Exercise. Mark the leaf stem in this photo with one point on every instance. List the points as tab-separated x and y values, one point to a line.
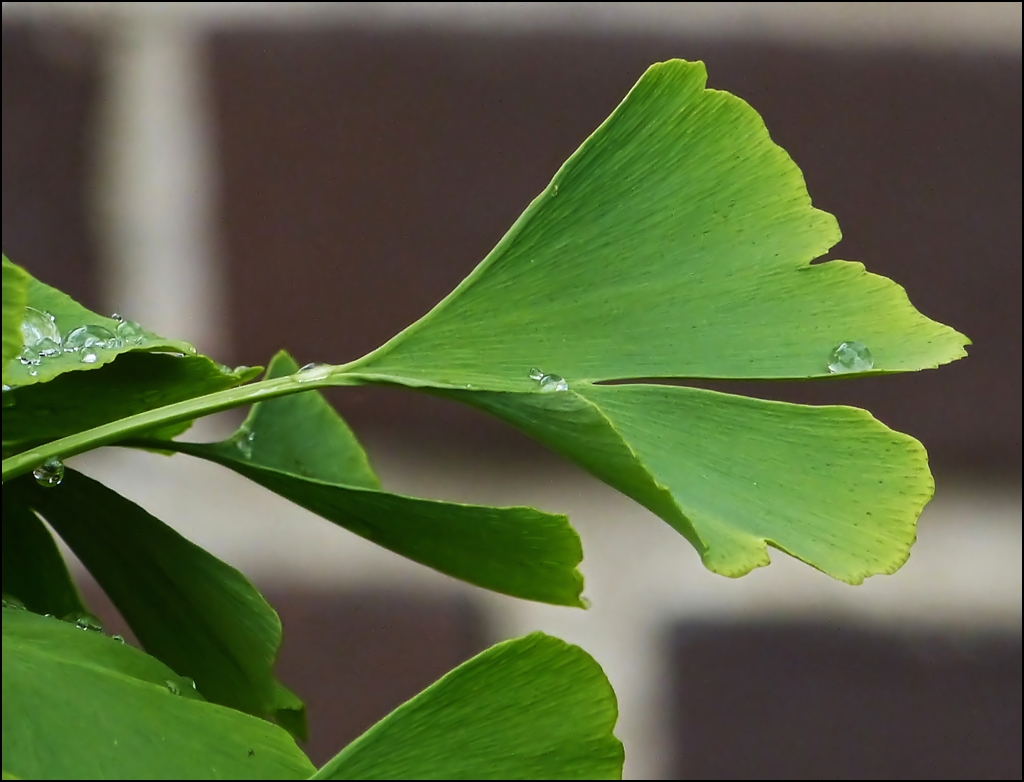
200	406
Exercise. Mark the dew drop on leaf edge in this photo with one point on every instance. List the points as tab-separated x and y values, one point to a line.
172	687
49	473
850	356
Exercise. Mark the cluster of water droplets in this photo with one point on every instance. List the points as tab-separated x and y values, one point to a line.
850	356
41	339
548	383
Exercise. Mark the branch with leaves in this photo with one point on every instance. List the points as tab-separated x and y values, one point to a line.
677	242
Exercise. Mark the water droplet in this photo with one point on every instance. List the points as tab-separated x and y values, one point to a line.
118	638
245	442
84	621
536	374
10	601
552	383
47	348
36	326
130	331
241	369
554	190
49	473
172	687
89	357
850	356
29	357
91	336
6	388
312	372
117	317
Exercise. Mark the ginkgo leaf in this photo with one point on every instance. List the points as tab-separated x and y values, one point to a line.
530	708
80	705
676	242
829	485
191	611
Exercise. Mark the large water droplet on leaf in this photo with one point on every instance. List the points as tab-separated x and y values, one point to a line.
29	357
49	473
130	332
172	687
91	336
36	326
311	372
552	383
850	356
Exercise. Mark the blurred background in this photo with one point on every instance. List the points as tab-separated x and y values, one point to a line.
315	176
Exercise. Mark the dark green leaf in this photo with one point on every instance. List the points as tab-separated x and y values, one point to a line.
33	568
188	609
79	705
532	708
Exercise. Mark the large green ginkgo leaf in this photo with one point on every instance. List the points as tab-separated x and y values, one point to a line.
80	705
300	448
191	611
677	242
531	708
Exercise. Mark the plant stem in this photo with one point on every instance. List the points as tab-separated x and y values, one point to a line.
134	425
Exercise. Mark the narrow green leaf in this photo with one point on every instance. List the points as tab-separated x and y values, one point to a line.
520	552
79	705
532	708
193	612
829	485
675	242
299	447
33	569
15	287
